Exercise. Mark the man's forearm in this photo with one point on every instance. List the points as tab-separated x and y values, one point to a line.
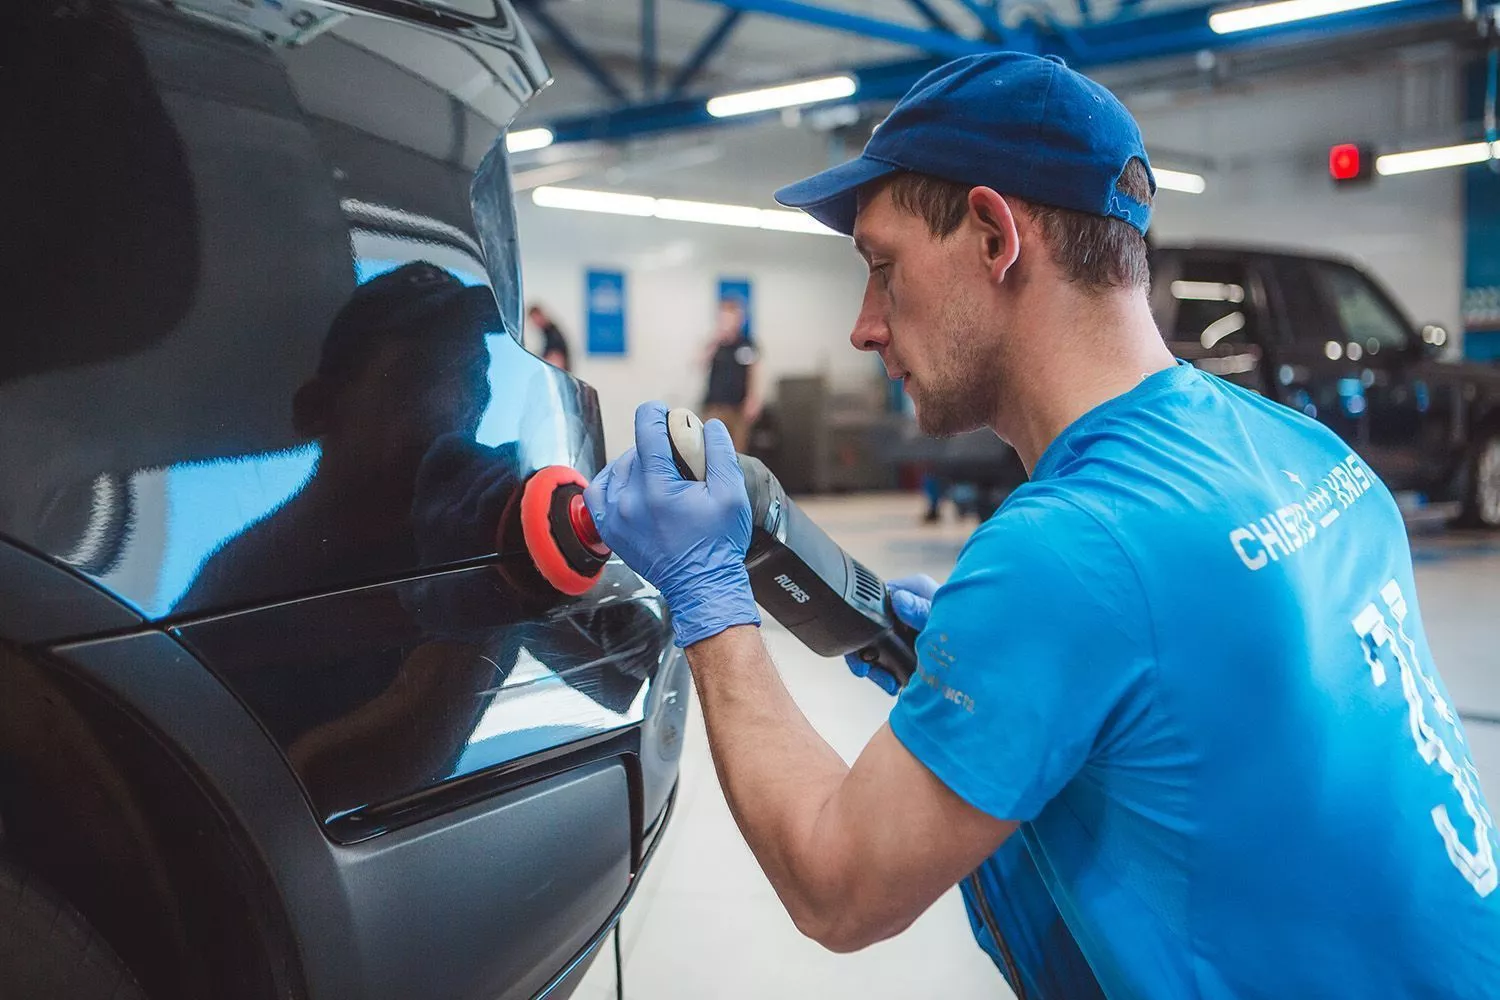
777	772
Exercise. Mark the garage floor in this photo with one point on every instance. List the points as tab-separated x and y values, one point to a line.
706	923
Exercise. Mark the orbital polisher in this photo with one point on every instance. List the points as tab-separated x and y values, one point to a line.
799	575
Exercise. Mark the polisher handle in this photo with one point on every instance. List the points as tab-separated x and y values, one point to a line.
685	432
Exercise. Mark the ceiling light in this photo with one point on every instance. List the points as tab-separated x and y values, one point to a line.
789	95
1179	180
1433	159
1265	15
527	139
705	211
712	213
581	200
793	222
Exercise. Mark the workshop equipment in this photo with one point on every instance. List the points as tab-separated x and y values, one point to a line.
799	575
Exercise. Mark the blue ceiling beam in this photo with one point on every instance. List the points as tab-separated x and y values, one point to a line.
1090	46
937	42
987	16
574	50
648	47
932	17
706	50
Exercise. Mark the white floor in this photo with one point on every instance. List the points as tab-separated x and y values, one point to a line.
705	923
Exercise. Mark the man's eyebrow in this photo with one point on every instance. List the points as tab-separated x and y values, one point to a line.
862	247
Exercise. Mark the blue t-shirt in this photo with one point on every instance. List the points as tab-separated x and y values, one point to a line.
1187	656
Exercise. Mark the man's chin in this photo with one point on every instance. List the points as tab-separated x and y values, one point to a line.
943	424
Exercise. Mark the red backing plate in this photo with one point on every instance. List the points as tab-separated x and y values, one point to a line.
536	529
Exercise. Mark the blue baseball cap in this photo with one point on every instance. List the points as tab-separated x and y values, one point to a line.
1021	124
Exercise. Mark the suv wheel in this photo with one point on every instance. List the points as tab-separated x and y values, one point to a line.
48	951
1482	498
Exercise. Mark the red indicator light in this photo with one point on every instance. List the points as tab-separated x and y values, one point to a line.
1350	161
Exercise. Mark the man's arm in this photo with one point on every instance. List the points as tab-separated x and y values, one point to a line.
856	854
754	400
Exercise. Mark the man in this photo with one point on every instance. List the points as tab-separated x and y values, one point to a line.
1184	661
401	384
554	344
733	394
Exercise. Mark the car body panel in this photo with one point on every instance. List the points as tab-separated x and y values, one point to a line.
496	898
266	426
388	692
174	467
45	603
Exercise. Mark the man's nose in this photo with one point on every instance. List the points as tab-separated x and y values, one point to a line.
871	331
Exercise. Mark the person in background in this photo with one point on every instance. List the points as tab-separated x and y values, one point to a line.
554	344
733	394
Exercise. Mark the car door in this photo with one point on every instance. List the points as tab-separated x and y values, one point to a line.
1211	309
1406	416
1349	364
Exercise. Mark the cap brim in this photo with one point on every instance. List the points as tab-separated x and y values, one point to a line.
832	197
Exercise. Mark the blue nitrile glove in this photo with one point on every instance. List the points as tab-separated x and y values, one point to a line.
911	599
687	538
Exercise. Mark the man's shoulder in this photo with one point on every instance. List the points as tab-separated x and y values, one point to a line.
1044	533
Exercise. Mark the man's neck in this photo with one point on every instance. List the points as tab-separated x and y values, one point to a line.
1078	352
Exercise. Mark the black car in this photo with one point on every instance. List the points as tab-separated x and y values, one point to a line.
285	708
1320	335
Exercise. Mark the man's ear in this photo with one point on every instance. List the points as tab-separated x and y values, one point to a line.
995	225
311	407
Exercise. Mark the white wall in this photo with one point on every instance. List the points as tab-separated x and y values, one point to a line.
1269	142
806	291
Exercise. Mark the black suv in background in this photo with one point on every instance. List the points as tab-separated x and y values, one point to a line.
283	711
1322	336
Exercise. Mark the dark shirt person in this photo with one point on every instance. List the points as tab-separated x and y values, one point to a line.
555	349
733	394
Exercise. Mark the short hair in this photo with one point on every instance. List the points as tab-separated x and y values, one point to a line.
1095	251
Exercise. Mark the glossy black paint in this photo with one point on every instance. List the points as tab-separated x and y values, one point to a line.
387	692
1411	416
176	431
263	415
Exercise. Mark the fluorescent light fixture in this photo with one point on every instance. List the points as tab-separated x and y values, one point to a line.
706	211
581	200
1179	180
527	139
712	213
793	222
1433	159
829	88
1224	22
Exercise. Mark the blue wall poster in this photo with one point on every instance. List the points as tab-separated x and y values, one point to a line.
739	288
604	306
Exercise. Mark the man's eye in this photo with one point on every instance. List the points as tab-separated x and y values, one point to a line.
881	273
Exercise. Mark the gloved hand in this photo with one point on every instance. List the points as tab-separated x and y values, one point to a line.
911	599
687	538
